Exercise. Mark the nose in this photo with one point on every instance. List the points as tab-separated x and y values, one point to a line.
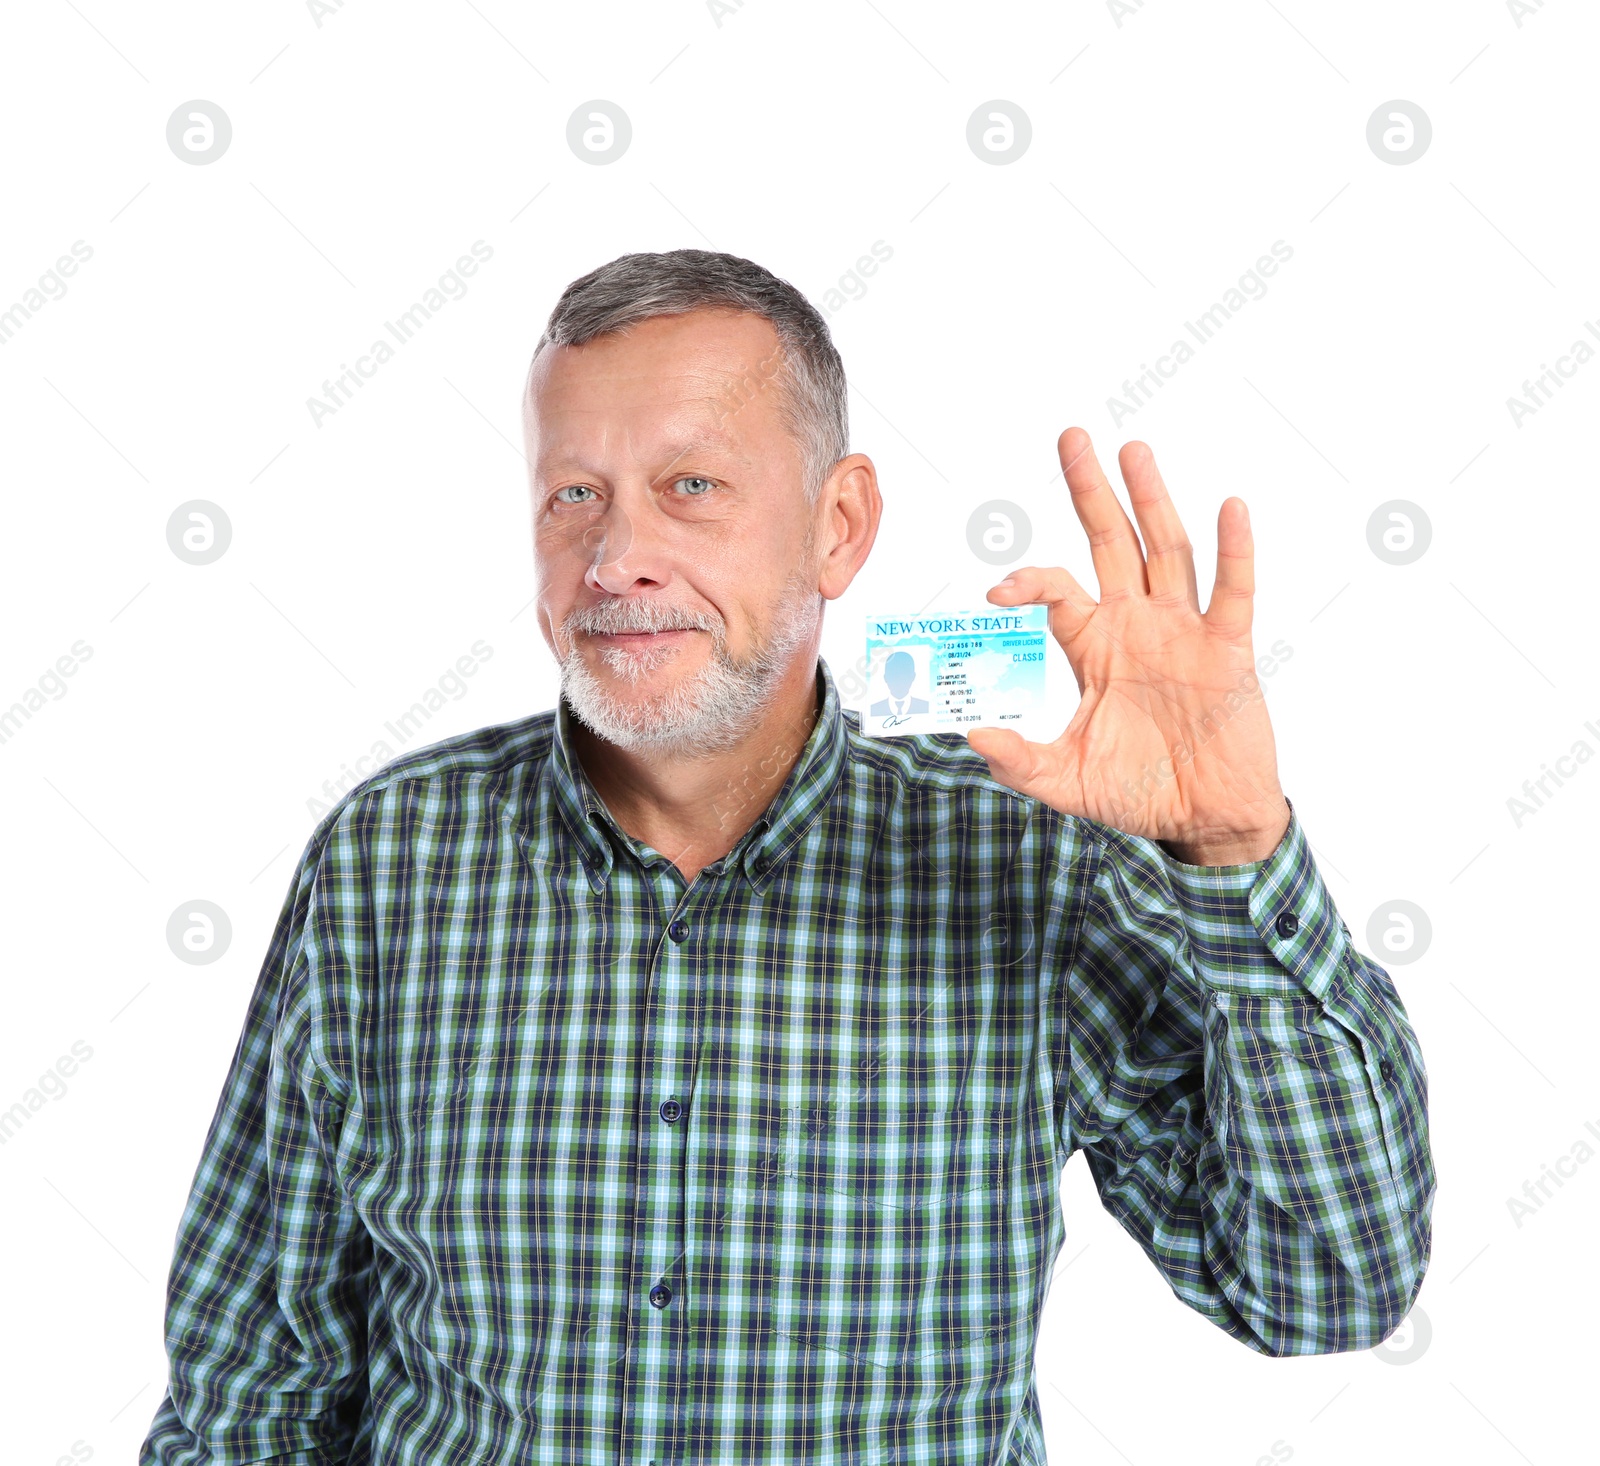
618	560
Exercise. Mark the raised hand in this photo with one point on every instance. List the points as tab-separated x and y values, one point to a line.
1171	740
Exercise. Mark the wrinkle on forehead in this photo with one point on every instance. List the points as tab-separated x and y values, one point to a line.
680	440
673	408
678	432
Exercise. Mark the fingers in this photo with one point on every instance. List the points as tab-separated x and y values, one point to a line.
1118	560
1168	556
1070	604
1233	594
1164	564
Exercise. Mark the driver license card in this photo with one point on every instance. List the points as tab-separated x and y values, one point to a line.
945	672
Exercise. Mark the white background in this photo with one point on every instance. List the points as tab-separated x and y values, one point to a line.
1168	153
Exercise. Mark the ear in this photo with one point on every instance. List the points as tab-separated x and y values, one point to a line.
848	509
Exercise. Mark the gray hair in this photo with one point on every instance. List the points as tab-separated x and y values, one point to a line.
636	287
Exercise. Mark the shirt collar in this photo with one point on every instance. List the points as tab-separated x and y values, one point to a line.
762	848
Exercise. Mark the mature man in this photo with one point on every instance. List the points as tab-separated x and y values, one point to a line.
680	1076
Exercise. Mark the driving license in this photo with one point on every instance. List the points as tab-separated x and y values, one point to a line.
945	672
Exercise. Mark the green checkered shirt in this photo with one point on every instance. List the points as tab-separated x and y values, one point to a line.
531	1152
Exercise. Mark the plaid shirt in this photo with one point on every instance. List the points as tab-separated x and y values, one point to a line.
530	1152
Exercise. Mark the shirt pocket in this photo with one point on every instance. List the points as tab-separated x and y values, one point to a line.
889	1230
482	1214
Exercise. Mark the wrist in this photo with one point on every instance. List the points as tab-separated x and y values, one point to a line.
1229	847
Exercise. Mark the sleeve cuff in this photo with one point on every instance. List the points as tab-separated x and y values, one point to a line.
1267	929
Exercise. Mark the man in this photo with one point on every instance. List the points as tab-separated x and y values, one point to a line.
899	672
679	1076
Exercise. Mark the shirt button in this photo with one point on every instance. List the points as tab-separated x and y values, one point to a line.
678	930
1288	924
759	865
670	1110
1387	1070
661	1295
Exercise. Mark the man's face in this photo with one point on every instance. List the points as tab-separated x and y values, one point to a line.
673	544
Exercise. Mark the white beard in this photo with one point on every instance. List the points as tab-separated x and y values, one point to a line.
705	714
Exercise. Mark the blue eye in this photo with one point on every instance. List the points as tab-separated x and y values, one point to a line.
694	493
573	489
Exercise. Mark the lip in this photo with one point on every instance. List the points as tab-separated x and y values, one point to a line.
638	638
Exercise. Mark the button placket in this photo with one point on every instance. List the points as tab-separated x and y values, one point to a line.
662	1224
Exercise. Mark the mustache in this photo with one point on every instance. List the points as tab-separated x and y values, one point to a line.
623	613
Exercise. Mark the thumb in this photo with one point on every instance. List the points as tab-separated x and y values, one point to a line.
1012	760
